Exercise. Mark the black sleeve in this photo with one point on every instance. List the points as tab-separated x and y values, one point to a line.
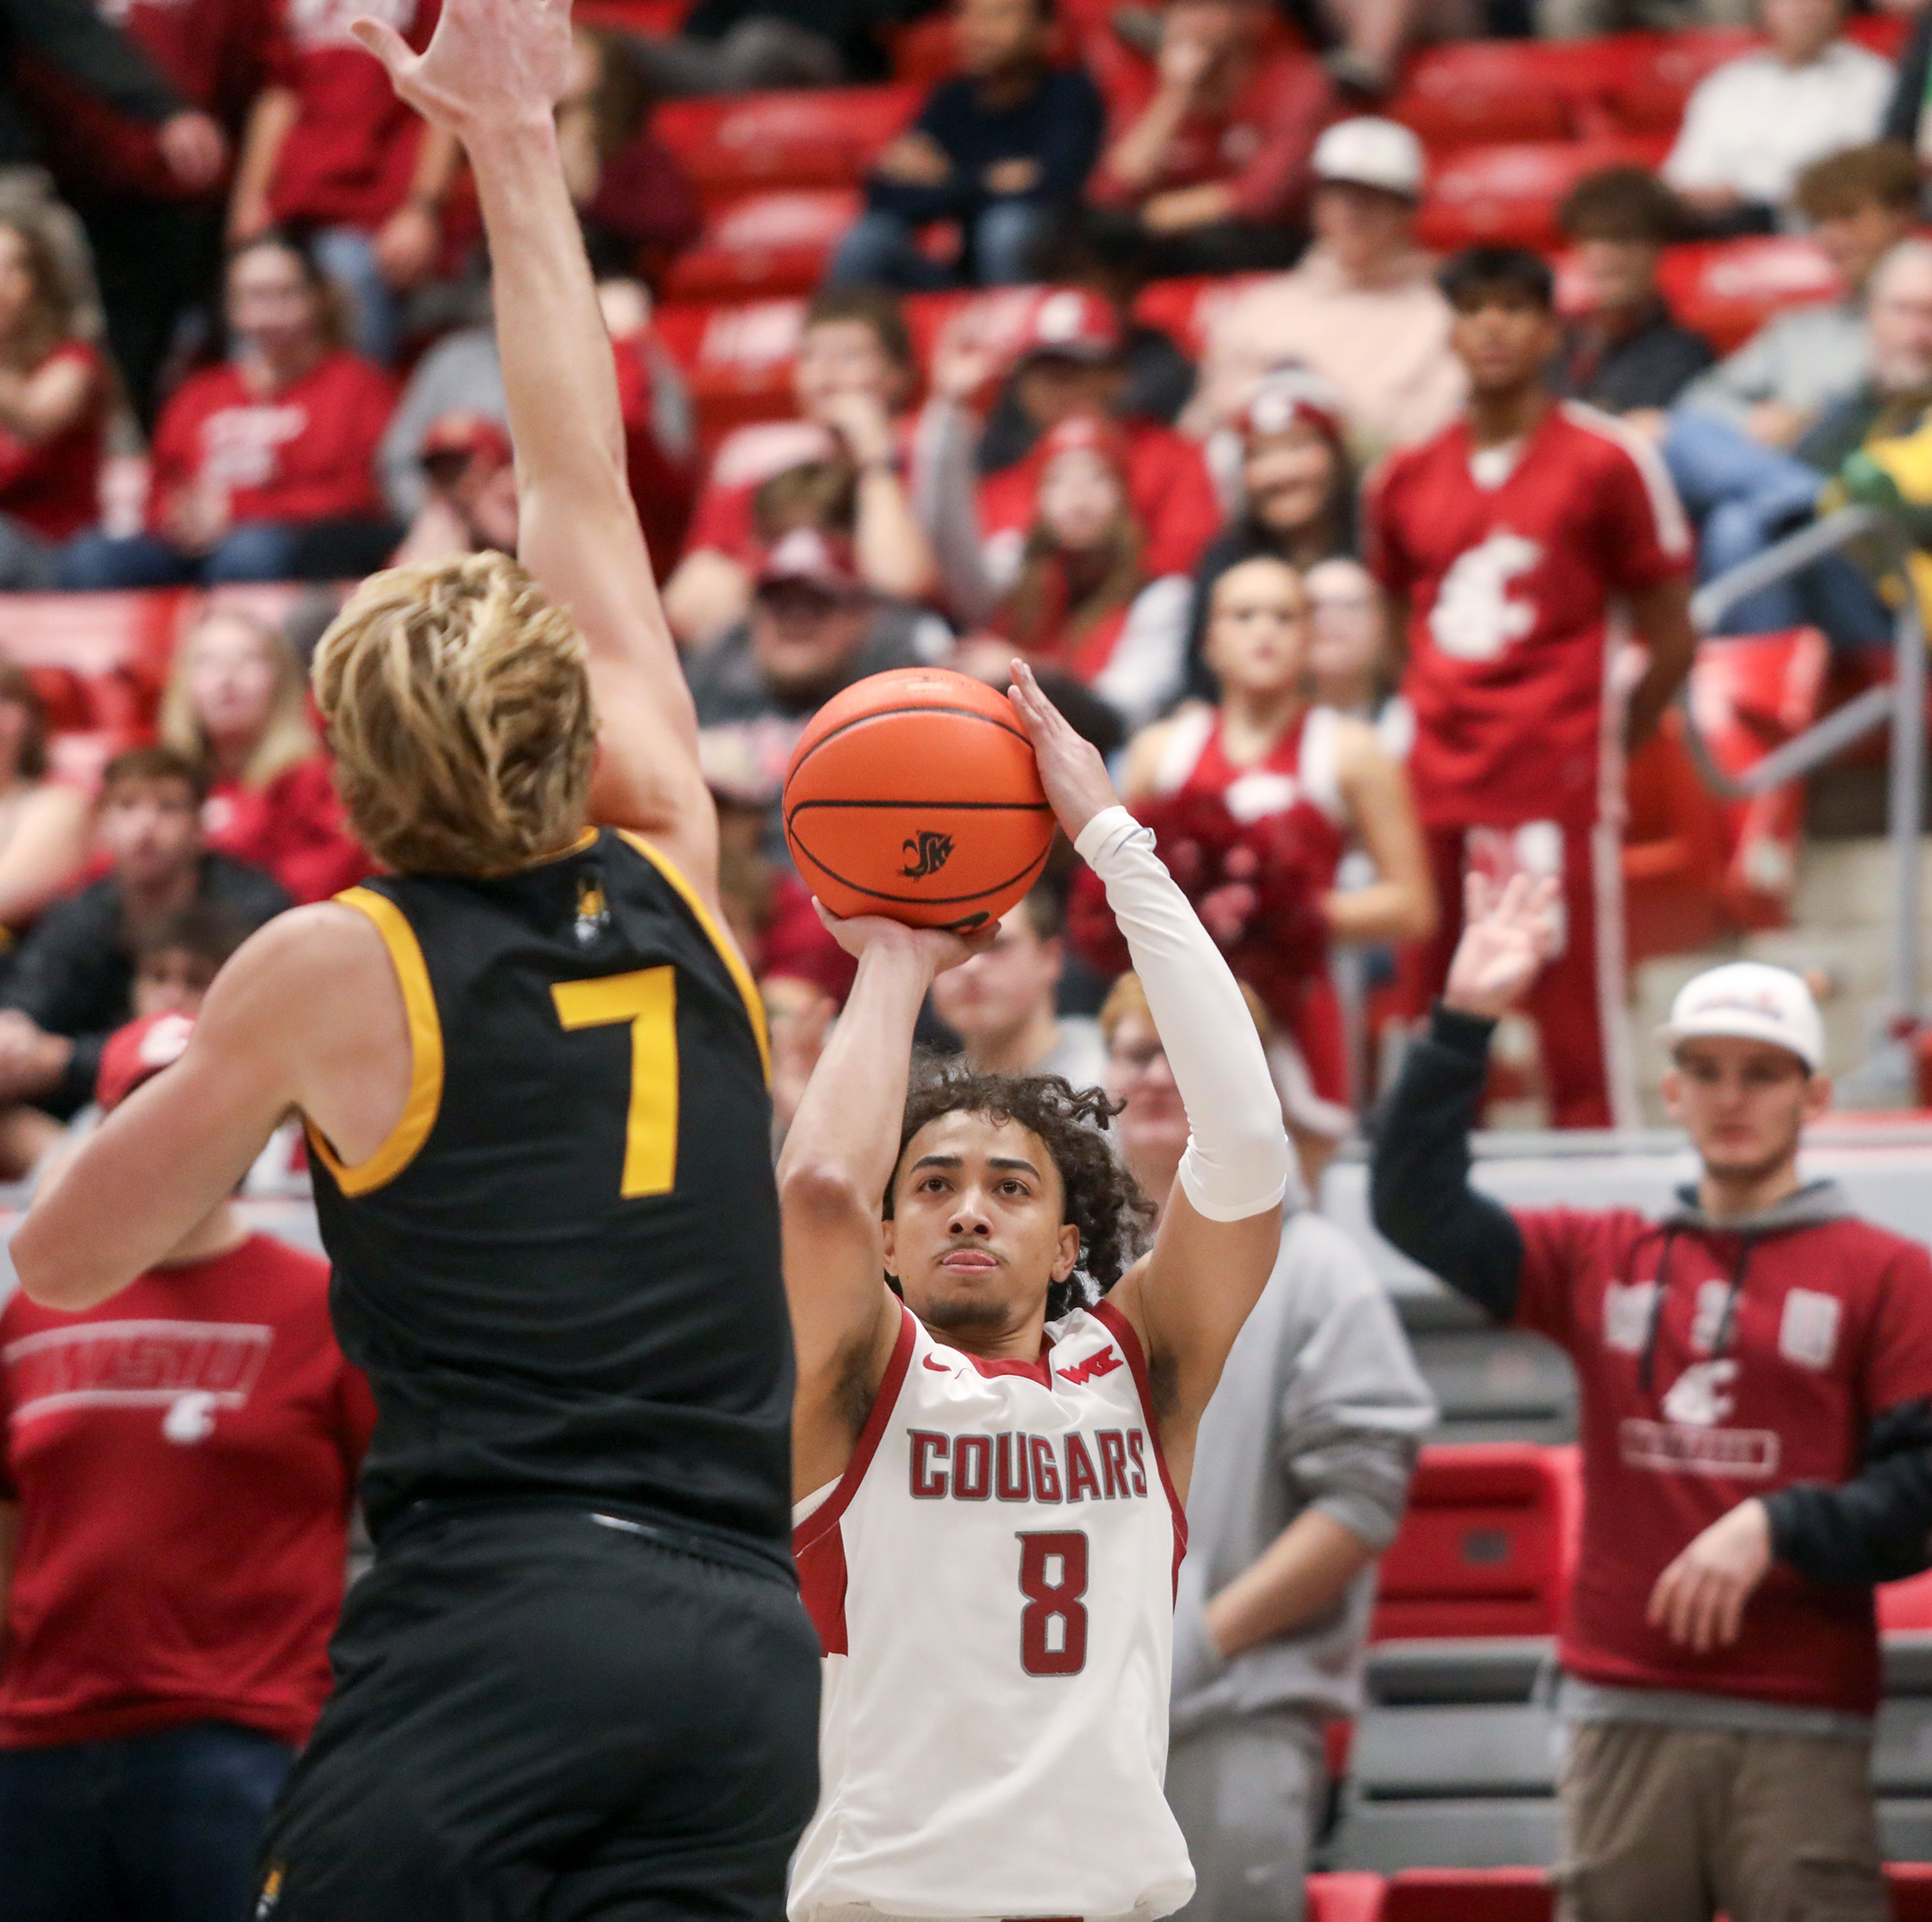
1874	1527
1908	96
1419	1192
1072	145
69	977
72	36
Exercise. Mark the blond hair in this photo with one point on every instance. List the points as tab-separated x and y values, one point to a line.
1127	998
457	701
287	738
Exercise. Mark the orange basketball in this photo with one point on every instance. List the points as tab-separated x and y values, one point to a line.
914	794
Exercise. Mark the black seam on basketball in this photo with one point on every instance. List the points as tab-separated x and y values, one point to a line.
939	807
925	901
885	713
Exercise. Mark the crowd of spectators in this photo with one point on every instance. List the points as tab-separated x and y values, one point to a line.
1297	569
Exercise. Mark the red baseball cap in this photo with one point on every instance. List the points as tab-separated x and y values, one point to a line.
139	1052
1082	433
815	559
469	436
1288	395
1074	325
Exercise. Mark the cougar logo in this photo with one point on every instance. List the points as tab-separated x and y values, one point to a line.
1091	1369
926	852
1698	1397
1474	619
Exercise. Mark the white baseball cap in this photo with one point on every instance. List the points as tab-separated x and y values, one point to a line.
1370	152
1749	1001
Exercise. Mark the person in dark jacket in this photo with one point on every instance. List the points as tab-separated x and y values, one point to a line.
71	984
734	47
1626	354
1000	150
1755	1371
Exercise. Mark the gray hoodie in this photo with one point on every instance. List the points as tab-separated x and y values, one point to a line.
1321	1405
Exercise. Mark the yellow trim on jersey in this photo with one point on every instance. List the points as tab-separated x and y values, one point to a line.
727	949
406	1139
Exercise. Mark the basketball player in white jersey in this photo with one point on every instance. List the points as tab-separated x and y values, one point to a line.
992	1460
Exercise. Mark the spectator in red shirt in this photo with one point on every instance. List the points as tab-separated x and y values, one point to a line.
1510	540
1212	145
330	150
1070	364
264	467
179	1465
237	702
854	381
55	389
1083	600
1756	1429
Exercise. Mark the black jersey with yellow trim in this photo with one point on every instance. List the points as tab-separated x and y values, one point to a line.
561	1270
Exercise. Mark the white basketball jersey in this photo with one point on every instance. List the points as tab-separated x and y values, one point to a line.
993	1581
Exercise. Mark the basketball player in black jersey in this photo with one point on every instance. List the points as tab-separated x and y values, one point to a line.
579	1681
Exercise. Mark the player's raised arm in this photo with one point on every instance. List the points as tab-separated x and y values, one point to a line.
1218	1239
492	75
839	1155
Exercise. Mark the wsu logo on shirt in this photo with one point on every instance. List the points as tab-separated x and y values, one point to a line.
1474	618
239	445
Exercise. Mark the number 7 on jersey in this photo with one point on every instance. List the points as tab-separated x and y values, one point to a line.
647	999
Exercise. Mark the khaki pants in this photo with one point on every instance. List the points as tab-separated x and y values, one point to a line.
1667	1825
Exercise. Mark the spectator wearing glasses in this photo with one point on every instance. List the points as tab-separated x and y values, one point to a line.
1756	1435
1001	150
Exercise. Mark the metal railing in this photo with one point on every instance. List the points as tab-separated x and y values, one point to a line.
1888	1072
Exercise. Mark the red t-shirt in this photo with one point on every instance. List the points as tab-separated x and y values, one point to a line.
351	155
1168	485
306	453
214	54
294	827
1510	587
1829	1325
723	520
54	487
184	1456
1261	146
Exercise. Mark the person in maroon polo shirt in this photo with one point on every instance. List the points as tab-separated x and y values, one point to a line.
176	1470
1756	1371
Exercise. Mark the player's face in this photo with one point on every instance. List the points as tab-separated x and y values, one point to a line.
150	830
975	1238
1081	500
1743	1103
1504	338
993	35
231	682
1152	1130
995	994
1290	478
1257	637
841	357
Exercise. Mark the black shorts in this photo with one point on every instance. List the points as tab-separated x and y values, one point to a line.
540	1714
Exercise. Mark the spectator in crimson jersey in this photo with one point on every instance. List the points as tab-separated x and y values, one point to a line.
55	391
1511	542
155	234
237	702
178	1471
331	151
1756	1430
1211	145
264	467
853	382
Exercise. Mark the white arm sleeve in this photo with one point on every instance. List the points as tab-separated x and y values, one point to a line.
1236	1163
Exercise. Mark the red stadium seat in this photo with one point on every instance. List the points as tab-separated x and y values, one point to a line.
1909	1885
738	360
1187	310
1469	1895
95	635
803	137
1904	1606
1725	290
1488	1545
1749	694
1470	93
1659	72
766	244
639	17
1510	196
1350	1897
1676	842
925	52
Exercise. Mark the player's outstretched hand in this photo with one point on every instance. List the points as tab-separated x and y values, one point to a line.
1071	769
491	65
1506	938
936	949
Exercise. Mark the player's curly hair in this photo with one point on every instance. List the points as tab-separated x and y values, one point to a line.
1103	1200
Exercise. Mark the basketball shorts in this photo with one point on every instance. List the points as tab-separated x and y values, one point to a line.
543	1713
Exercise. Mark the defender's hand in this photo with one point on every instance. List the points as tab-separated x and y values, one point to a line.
934	949
1699	1600
1505	941
491	65
1071	769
